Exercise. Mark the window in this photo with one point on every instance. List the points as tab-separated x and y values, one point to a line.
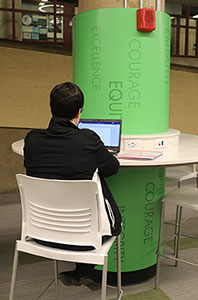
37	21
184	32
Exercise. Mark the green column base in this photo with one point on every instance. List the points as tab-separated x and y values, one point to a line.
138	193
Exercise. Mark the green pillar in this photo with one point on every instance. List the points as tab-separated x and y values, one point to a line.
124	74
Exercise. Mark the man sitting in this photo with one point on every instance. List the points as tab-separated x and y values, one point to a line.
63	151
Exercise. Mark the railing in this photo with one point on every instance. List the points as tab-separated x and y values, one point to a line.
51	23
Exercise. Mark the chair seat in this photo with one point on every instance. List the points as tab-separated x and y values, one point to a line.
179	174
93	256
185	196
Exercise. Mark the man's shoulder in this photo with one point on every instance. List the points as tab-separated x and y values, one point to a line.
89	133
86	131
35	132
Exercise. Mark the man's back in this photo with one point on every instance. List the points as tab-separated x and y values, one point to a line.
65	152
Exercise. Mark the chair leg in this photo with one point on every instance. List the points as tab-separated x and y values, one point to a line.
119	287
104	279
14	270
178	236
176	229
56	278
159	246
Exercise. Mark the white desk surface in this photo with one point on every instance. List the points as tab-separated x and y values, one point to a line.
17	147
187	153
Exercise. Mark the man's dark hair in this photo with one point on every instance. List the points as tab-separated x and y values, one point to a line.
65	100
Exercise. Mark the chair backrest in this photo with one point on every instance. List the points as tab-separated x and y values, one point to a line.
60	211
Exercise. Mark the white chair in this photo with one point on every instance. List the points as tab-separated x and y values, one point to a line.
179	174
184	197
63	212
182	173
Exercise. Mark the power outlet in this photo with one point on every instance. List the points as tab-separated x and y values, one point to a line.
160	143
133	144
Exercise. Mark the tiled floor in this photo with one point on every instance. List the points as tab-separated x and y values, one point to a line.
178	283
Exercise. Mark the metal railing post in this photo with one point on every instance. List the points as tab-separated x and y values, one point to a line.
125	3
158	6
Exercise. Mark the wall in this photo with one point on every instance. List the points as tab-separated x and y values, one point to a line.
10	162
26	80
183	101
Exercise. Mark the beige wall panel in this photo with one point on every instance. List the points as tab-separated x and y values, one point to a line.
10	162
184	101
26	80
85	5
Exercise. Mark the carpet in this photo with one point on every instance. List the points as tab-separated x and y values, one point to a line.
26	259
147	295
185	243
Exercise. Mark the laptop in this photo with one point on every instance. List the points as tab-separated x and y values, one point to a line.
108	130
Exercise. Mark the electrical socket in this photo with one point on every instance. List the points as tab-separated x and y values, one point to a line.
160	143
133	144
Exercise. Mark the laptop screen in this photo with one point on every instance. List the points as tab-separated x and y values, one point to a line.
108	130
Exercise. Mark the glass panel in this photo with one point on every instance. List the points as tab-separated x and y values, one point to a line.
6	25
173	40
34	27
39	27
183	21
18	4
59	27
182	41
6	3
41	6
29	5
192	42
173	21
48	7
192	22
18	27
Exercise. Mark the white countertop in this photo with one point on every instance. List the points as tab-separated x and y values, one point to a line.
187	153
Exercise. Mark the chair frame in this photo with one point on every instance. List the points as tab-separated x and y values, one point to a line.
189	175
176	235
98	256
104	274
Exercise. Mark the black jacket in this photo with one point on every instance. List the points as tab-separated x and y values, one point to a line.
63	151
